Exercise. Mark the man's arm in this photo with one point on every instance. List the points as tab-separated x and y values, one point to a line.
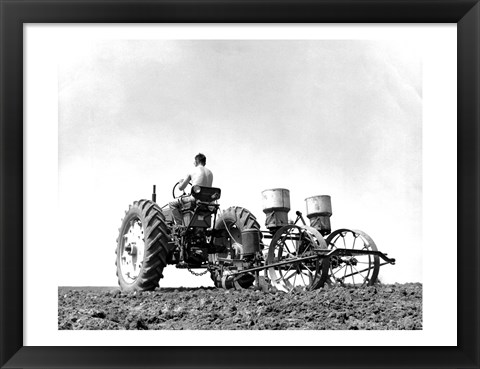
184	182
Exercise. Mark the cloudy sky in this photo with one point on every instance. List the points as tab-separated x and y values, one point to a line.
342	118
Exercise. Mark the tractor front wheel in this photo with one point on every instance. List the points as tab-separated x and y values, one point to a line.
142	247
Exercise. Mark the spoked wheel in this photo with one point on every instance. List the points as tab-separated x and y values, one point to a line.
356	270
291	243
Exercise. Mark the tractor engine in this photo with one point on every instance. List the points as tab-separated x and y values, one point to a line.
197	249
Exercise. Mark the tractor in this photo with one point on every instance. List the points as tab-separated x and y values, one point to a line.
230	245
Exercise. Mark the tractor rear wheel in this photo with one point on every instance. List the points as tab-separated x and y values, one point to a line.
234	220
142	247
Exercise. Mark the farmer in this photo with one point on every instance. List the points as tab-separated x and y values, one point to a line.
200	176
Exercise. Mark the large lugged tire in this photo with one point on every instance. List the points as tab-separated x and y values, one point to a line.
142	247
235	219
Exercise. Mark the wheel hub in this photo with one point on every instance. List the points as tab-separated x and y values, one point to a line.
131	249
131	258
350	260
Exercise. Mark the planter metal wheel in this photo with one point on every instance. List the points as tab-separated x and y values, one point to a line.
292	247
356	269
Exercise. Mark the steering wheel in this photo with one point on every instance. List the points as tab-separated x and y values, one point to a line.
183	193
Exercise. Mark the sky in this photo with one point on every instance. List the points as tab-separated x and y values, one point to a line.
338	118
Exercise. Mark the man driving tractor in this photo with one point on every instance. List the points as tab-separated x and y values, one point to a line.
200	176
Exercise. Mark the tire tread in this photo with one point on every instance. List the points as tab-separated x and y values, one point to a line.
156	246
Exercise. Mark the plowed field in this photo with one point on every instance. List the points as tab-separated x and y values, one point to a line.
397	306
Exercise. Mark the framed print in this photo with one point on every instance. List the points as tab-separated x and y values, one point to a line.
314	117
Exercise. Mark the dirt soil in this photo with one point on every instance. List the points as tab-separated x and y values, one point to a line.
397	306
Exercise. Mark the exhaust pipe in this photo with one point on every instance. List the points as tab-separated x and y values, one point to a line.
154	195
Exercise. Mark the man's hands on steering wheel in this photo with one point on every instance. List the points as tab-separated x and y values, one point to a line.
176	190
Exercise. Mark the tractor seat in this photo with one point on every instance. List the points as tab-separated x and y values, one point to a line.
201	196
197	212
206	194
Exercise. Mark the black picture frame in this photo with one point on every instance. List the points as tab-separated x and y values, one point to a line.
15	13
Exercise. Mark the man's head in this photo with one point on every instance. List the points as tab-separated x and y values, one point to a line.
200	159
